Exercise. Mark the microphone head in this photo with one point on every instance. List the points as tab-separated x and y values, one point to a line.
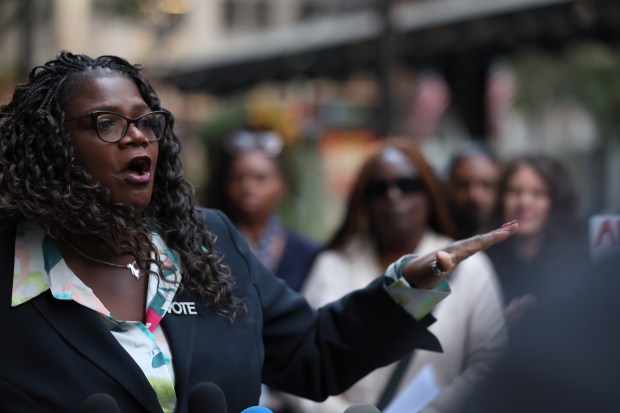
207	396
100	403
362	408
256	409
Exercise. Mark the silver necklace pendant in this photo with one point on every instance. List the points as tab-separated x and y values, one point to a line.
133	267
135	271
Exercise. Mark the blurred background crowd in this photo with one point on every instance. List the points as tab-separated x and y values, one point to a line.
510	106
331	76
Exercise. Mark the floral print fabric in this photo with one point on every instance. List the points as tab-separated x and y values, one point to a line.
39	267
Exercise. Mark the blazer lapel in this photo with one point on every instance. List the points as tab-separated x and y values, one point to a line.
181	333
83	329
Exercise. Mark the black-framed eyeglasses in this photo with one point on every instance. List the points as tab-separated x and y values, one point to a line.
379	187
267	142
111	126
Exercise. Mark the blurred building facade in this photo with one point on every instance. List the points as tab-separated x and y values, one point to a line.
333	75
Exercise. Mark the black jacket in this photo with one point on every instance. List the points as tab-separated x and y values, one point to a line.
57	353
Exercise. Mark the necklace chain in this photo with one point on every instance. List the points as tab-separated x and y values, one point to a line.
132	266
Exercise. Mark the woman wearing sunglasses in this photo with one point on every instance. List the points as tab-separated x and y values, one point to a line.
396	207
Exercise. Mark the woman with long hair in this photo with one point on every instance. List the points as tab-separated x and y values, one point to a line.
113	281
536	190
396	206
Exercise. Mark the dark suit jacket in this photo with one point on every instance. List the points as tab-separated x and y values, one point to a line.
564	354
57	353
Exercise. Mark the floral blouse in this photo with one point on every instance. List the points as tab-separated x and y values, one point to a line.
39	267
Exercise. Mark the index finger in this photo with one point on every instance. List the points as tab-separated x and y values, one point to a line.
463	249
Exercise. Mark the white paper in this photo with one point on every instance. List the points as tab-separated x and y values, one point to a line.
417	393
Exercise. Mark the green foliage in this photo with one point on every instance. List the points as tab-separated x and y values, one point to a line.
303	210
232	116
587	73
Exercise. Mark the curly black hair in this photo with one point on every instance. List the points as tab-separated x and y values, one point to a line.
40	180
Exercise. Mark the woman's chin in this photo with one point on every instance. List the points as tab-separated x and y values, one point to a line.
525	232
138	203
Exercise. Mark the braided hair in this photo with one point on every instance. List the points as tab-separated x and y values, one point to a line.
40	180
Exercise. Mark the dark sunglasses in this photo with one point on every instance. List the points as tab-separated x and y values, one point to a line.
379	187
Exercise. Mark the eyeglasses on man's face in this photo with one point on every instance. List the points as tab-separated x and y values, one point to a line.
111	126
267	142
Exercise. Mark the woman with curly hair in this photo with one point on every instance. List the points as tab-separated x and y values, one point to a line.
121	285
395	207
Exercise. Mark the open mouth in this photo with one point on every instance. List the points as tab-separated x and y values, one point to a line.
138	169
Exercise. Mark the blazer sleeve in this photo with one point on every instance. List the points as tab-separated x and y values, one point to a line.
316	353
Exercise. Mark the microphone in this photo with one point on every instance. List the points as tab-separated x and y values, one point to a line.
256	409
361	408
100	403
207	396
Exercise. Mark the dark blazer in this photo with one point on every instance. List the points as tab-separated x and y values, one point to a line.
563	355
57	353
